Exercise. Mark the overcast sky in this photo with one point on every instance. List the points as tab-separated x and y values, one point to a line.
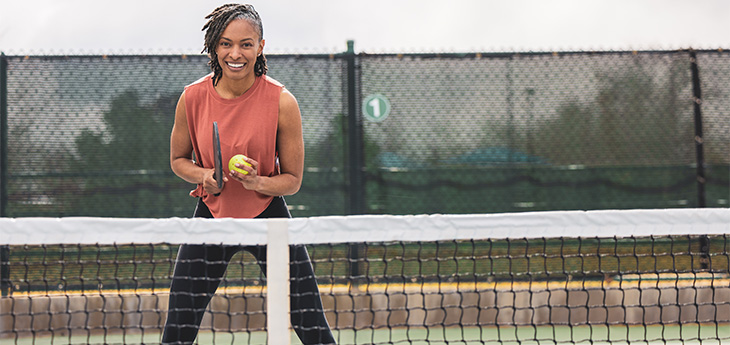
323	26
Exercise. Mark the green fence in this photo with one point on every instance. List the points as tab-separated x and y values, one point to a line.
386	133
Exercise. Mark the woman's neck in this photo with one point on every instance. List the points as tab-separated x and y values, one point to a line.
230	89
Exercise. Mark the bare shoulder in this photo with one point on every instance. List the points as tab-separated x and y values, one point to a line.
287	98
288	105
180	109
181	101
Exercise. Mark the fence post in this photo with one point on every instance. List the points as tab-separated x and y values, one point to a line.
3	135
4	250
700	154
356	190
354	135
699	140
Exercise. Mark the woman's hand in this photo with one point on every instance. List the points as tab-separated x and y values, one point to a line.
250	181
210	184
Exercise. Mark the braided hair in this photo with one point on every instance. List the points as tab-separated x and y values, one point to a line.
218	20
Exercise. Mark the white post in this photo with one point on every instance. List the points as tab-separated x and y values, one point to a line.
277	282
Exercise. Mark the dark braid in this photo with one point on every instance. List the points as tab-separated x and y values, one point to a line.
218	20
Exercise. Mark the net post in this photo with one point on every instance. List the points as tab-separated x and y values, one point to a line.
277	282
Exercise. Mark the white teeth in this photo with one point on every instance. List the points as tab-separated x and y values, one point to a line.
235	65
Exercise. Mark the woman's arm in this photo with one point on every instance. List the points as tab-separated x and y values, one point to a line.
290	143
181	153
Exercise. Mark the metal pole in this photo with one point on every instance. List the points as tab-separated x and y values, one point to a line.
355	160
699	141
5	286
354	135
4	250
699	150
3	135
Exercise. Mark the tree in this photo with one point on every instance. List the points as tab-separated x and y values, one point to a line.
636	118
125	168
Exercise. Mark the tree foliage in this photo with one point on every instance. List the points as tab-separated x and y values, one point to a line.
124	169
636	118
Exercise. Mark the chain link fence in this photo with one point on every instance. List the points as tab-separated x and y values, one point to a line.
386	133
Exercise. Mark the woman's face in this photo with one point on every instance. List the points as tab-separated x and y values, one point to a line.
237	50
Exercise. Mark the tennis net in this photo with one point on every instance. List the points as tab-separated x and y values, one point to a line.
573	277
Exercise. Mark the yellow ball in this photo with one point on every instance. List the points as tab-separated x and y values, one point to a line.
240	159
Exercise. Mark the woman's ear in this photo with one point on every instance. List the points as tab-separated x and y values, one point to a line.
261	47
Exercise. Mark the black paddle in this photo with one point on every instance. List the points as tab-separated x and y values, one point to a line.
217	157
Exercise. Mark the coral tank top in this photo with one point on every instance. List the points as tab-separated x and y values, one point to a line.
247	125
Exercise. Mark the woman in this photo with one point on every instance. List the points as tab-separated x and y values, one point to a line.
259	118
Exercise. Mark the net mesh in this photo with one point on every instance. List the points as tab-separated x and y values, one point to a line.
538	278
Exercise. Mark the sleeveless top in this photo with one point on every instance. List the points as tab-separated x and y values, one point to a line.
247	125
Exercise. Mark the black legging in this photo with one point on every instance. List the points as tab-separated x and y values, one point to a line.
199	270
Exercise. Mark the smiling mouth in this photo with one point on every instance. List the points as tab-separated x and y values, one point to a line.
235	65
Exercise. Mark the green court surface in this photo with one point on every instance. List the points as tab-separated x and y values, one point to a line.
598	334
